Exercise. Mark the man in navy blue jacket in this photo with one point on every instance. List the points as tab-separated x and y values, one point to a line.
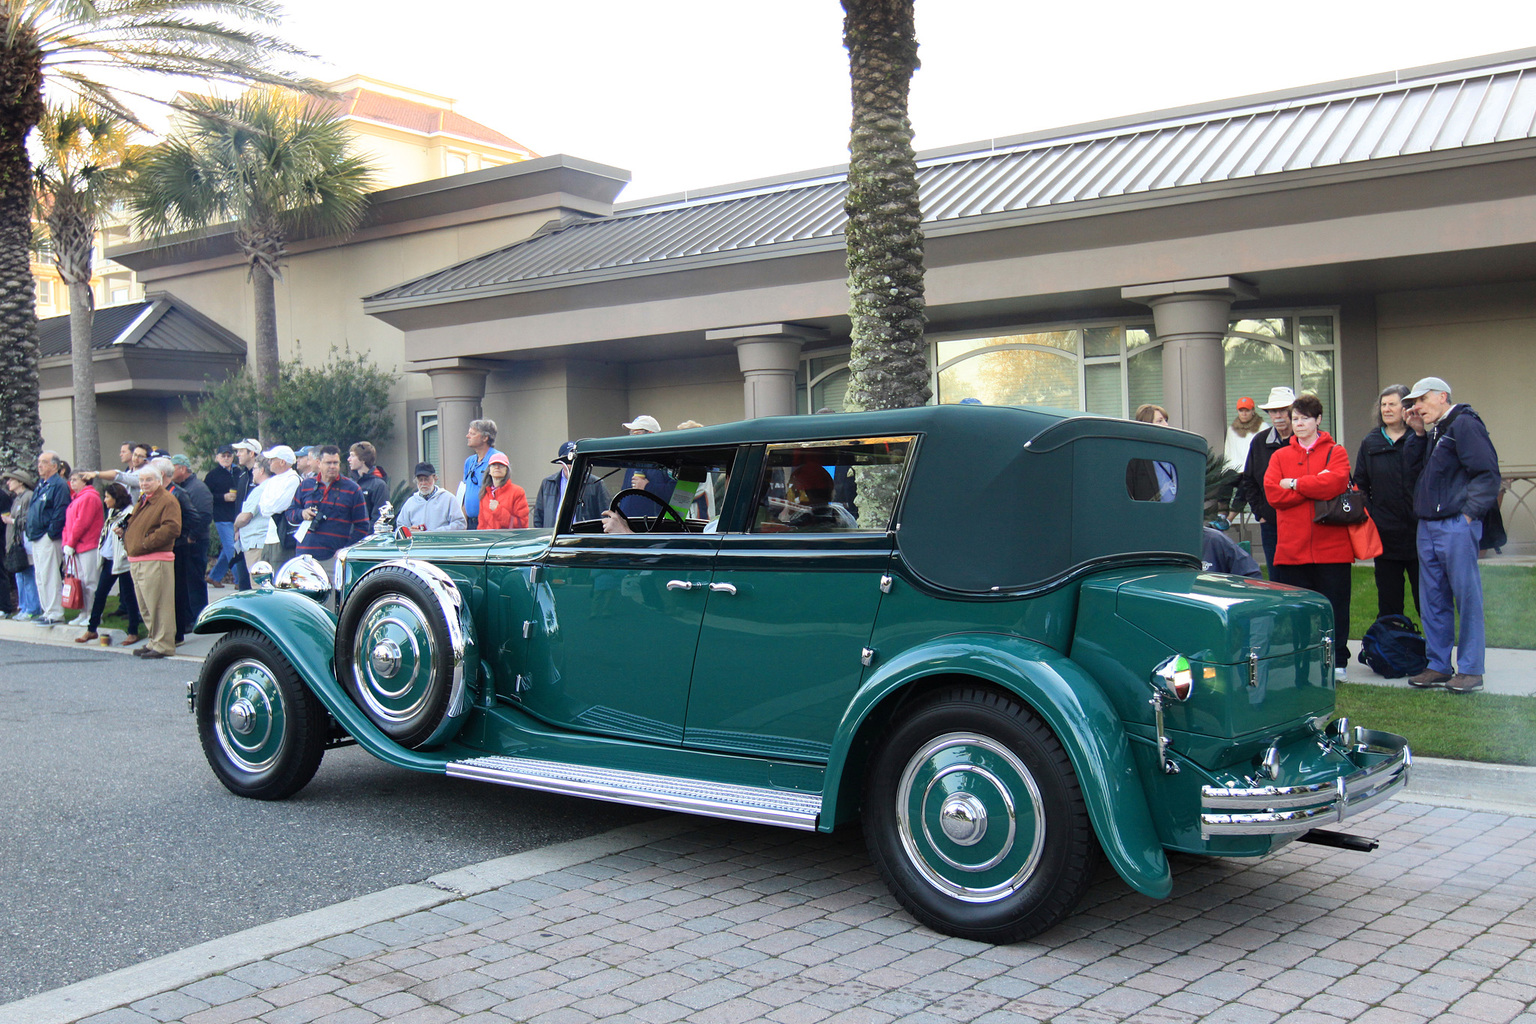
1457	489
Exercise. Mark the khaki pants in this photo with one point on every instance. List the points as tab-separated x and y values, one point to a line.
48	570
155	585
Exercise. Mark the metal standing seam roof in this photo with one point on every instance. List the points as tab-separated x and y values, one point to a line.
1379	122
160	324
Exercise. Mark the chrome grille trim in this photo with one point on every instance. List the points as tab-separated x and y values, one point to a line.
642	789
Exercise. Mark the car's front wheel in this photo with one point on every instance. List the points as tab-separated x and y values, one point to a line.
974	817
262	731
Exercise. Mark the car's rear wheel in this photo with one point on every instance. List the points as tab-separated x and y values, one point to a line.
974	817
395	654
262	731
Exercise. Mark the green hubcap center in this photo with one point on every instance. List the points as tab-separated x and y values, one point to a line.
970	817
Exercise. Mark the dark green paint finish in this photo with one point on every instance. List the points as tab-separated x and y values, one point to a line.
1065	697
780	658
1130	621
508	730
306	634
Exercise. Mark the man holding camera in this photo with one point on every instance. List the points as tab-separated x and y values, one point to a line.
334	507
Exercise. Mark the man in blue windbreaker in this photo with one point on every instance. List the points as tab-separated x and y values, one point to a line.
1456	492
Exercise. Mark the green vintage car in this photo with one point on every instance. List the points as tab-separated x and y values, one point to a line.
965	628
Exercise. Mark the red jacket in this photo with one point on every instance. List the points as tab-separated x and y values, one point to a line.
82	520
1320	474
511	511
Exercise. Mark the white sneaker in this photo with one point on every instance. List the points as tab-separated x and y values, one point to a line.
1338	674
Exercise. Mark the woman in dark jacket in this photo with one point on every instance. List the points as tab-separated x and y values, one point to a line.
1387	483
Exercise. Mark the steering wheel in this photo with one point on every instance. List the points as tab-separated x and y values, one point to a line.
666	510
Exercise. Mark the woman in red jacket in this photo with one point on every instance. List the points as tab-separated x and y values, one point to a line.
503	505
1317	556
82	537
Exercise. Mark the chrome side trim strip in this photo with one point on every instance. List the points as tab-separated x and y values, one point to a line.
1287	810
643	789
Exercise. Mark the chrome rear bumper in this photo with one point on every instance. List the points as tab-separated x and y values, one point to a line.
1290	810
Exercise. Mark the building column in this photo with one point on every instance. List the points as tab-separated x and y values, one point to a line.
1191	319
458	385
769	355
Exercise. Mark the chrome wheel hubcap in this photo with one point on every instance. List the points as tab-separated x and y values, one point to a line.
249	717
970	817
393	658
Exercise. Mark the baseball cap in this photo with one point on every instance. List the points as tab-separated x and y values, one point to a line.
1245	402
1279	398
280	451
303	452
1428	384
649	423
181	460
425	469
499	459
250	444
566	453
224	449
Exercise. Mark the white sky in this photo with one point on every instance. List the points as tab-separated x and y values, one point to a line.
694	93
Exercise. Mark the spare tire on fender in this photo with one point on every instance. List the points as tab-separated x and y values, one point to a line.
401	644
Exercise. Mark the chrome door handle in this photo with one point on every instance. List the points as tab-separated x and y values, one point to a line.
681	585
723	588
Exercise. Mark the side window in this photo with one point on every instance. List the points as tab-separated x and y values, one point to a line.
830	486
657	492
1151	480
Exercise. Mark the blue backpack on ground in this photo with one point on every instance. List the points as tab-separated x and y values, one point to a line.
1393	647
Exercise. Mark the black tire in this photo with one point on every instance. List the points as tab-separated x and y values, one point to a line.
394	654
936	822
262	731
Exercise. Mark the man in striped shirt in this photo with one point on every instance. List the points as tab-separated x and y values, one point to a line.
333	506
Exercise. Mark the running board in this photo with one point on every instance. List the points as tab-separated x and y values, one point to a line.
764	806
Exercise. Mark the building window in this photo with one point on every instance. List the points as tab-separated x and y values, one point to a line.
457	163
1108	368
427	439
45	292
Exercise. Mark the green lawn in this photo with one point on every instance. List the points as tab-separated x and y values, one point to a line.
1474	727
1509	604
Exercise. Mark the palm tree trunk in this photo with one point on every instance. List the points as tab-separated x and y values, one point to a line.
82	316
264	357
889	360
21	105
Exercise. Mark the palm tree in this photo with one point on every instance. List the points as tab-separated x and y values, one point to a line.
273	163
85	160
888	364
69	45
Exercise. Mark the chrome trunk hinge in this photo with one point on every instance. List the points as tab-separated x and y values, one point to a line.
1253	669
1169	765
885	583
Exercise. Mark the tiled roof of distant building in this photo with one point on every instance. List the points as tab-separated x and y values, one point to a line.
422	117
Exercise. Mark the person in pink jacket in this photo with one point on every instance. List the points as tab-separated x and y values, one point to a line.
82	536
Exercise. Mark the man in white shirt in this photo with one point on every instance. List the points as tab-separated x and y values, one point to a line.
276	496
250	531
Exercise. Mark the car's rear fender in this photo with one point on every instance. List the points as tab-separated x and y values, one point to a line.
305	632
1060	692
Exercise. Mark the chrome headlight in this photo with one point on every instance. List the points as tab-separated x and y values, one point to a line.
305	575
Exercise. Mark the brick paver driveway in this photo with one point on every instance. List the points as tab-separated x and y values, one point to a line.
727	922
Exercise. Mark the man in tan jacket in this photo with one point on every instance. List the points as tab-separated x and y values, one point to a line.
149	539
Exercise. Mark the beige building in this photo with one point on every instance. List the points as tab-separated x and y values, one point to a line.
1333	239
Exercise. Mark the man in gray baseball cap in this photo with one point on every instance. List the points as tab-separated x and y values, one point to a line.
1456	501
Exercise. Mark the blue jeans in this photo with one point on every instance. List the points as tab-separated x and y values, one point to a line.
1449	583
226	551
26	593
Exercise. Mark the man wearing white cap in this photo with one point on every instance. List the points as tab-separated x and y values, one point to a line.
276	495
1457	489
653	480
1250	485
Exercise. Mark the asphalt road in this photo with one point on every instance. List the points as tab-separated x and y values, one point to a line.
119	845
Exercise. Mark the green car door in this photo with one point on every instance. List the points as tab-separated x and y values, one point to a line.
793	601
611	647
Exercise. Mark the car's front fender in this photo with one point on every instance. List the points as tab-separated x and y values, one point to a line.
305	632
1070	702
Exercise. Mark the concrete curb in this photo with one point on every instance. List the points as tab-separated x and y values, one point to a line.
217	956
1468	785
